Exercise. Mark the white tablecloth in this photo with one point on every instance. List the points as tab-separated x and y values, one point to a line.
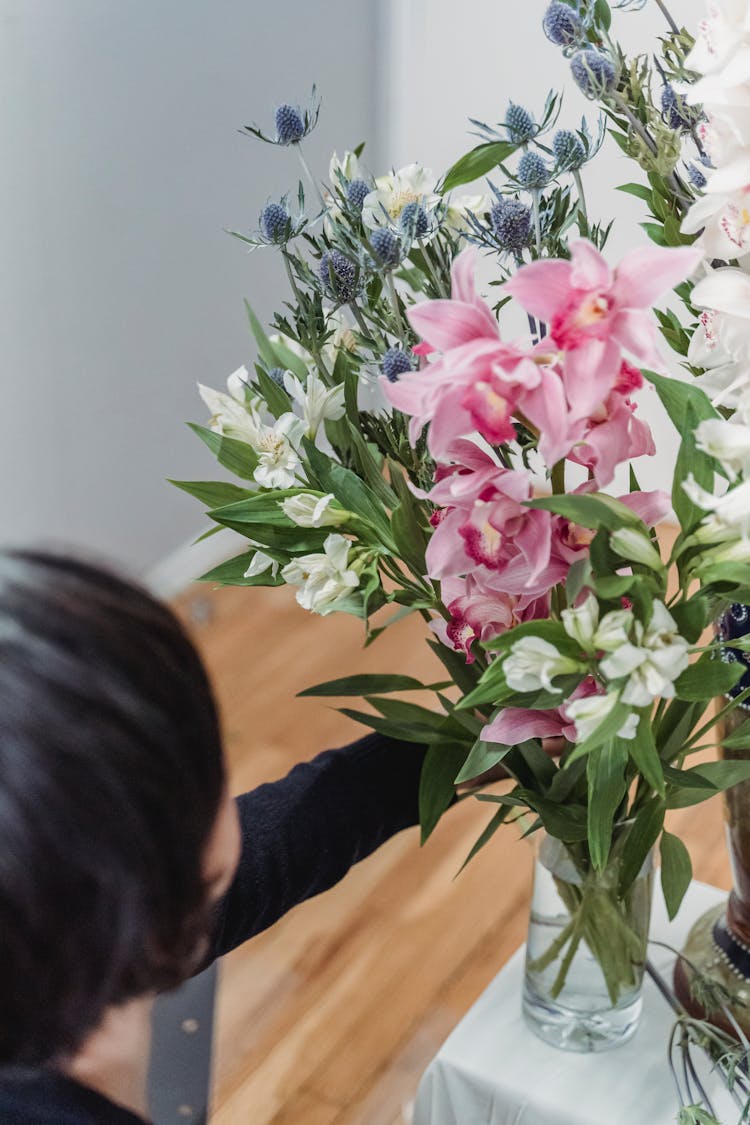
493	1070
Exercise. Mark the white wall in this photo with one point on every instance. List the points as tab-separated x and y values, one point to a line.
119	166
449	62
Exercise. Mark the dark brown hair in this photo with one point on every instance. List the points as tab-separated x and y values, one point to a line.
111	776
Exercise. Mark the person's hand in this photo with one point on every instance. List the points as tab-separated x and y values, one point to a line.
552	746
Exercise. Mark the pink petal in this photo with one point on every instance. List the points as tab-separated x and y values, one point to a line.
541	287
462	276
547	408
447	324
589	268
517	724
635	330
446	556
590	374
652	507
647	273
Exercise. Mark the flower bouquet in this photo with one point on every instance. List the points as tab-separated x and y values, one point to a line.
401	443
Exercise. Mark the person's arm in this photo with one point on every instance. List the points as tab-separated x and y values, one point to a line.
301	834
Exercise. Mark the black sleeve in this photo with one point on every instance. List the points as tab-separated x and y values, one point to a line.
301	834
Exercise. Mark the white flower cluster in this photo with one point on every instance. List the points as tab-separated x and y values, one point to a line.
721	344
632	663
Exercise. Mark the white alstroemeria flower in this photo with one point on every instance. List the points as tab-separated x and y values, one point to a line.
260	563
633	545
593	635
342	337
239	384
652	663
229	417
589	712
317	401
277	448
347	165
727	441
322	578
412	184
533	663
730	512
309	510
459	208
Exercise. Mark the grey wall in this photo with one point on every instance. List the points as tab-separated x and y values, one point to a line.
119	166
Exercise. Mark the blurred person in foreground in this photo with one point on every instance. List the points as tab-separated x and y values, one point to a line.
125	865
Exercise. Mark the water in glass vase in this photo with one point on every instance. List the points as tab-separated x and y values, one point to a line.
586	951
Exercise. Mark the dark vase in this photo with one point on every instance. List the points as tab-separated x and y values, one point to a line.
718	945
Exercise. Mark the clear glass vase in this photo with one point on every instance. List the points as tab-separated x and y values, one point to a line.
586	950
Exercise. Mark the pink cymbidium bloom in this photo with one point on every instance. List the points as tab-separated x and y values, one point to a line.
480	612
584	302
516	724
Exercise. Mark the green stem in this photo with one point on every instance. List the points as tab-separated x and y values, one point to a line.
537	222
434	269
309	175
359	319
581	196
733	703
667	16
393	297
557	478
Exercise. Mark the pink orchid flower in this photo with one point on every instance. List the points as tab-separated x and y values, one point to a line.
516	724
584	302
480	612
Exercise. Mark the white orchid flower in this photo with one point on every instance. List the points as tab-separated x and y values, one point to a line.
317	401
658	655
727	441
323	578
533	663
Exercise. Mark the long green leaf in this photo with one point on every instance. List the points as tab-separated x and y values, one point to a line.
477	163
676	872
213	493
642	749
707	678
722	775
232	573
605	771
436	788
498	819
237	456
482	757
690	462
641	838
366	684
594	510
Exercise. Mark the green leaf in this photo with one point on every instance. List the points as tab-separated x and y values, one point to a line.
707	678
275	397
594	510
463	675
237	456
692	617
482	756
366	684
641	838
265	350
603	14
407	731
498	819
739	739
676	396
642	749
351	492
605	771
436	788
579	577
212	493
262	507
286	358
676	872
477	163
690	462
721	775
639	190
232	573
565	822
675	727
401	711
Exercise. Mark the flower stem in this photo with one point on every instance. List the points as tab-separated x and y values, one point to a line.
393	296
309	175
581	197
359	319
557	478
667	16
537	222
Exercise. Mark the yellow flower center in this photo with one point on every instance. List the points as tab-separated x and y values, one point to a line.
400	199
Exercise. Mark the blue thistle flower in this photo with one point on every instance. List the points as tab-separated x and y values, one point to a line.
676	112
277	375
275	222
356	192
386	246
395	362
511	222
594	72
520	124
413	220
562	25
533	172
290	125
339	275
568	150
696	177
